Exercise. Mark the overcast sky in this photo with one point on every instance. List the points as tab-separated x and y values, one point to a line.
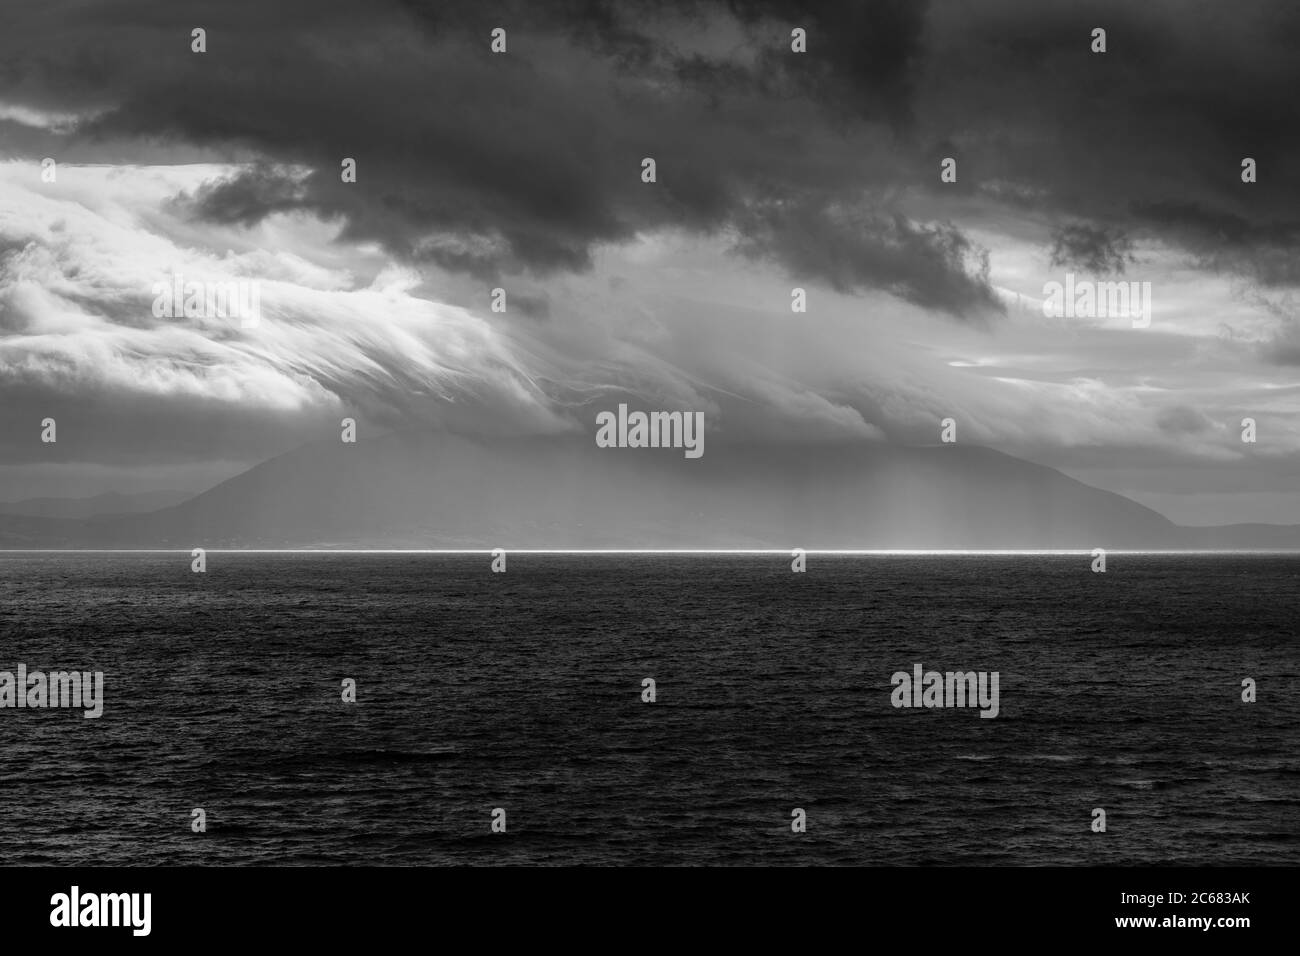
775	169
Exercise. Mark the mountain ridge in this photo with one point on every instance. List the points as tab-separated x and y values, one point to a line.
439	489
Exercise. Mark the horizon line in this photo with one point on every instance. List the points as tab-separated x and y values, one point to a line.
781	551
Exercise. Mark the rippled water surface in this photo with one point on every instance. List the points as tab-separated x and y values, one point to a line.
523	691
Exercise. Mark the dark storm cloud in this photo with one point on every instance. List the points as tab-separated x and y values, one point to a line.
1147	138
855	248
863	56
248	198
1264	250
528	161
1098	250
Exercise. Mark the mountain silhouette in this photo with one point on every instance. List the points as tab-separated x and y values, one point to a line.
439	489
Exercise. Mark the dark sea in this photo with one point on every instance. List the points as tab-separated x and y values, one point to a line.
522	690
